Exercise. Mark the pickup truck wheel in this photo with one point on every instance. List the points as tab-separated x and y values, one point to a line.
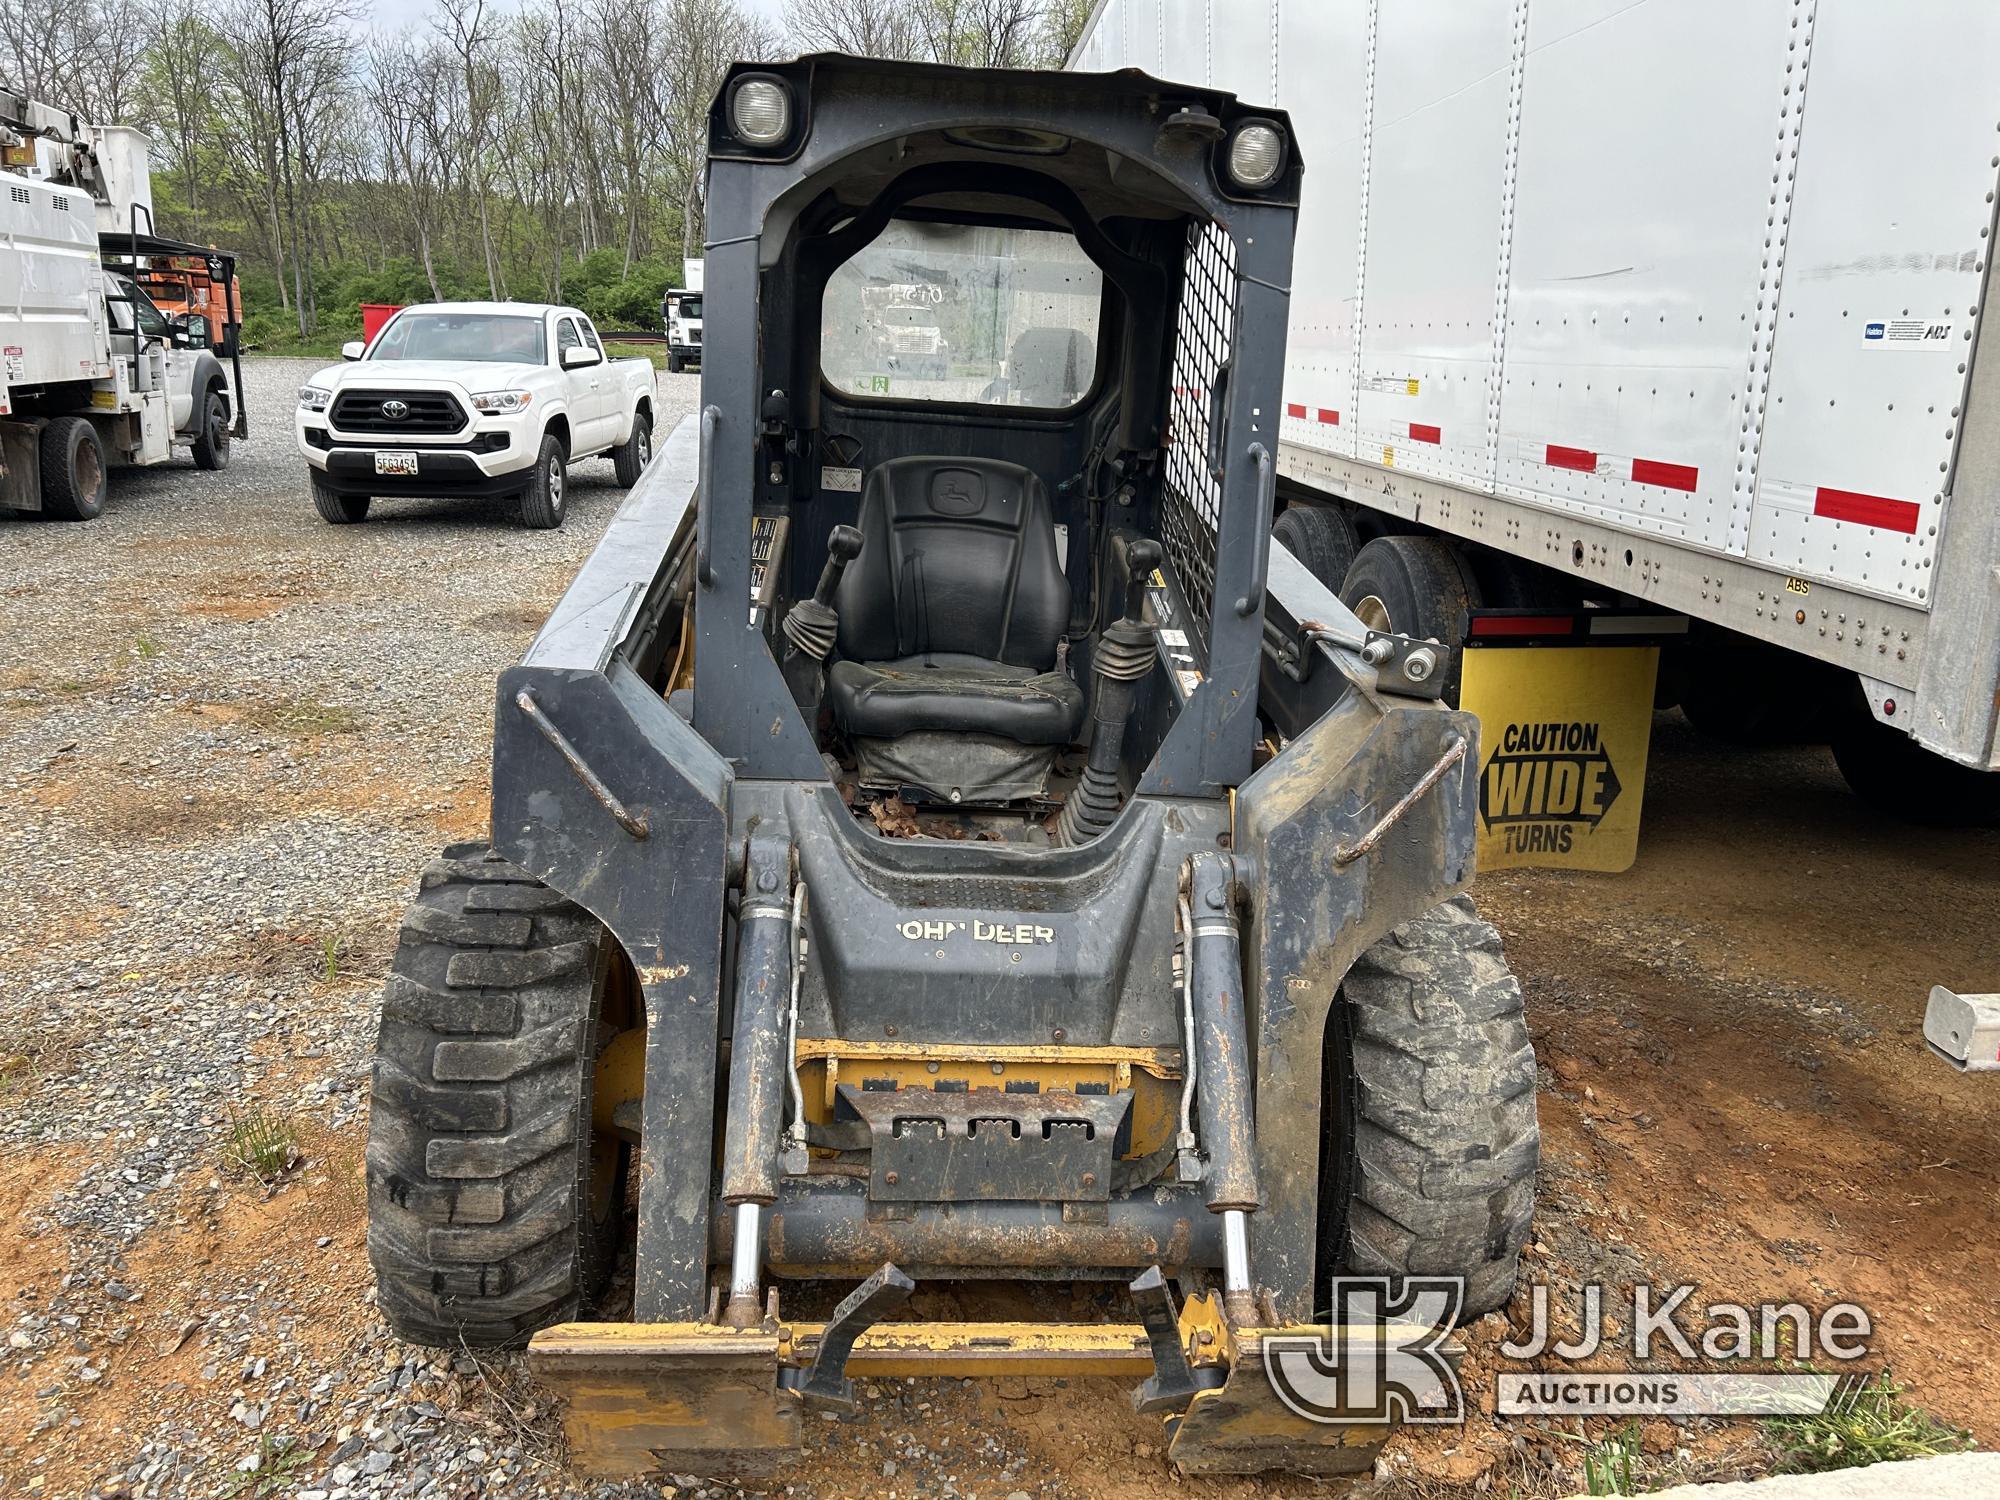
75	478
542	500
629	458
211	440
335	508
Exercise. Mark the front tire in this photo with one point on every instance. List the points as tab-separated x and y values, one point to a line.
75	478
1428	1163
542	502
492	1211
335	508
629	458
211	442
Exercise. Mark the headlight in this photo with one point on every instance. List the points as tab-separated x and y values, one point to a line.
314	398
760	111
1256	155
502	400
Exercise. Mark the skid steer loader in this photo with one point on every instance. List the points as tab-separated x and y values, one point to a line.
938	835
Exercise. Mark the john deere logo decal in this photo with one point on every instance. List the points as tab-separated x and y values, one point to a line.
1544	781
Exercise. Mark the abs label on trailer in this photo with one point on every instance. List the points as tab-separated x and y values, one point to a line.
1906	333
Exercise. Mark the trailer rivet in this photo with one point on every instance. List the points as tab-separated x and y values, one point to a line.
1800	617
1059	1034
888	1031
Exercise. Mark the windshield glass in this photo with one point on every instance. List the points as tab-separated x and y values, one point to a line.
690	307
151	321
961	312
501	338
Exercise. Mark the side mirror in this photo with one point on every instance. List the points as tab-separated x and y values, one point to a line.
576	356
353	349
189	331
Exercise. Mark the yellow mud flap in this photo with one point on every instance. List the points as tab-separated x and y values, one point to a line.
1565	706
1244	1428
680	1397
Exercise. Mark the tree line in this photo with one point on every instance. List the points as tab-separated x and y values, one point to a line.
551	150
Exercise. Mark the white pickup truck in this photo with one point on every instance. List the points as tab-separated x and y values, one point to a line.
472	398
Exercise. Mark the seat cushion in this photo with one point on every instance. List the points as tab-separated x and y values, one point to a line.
885	699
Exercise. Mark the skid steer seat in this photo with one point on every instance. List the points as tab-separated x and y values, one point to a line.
949	621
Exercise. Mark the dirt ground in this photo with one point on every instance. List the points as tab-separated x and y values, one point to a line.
1735	1092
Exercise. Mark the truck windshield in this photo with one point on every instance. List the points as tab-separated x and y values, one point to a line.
495	337
690	307
979	313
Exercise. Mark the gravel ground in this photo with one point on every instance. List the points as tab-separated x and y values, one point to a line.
230	736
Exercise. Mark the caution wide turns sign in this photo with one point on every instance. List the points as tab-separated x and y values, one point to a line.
1563	732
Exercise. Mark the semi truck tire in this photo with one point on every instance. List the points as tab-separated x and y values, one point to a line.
75	478
543	500
335	508
492	1212
629	458
211	439
1428	1164
1322	537
1417	586
1891	772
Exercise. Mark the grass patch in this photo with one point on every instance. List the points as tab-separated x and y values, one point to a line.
1869	1424
304	717
654	354
331	947
281	1464
263	1143
146	646
1608	1463
26	1059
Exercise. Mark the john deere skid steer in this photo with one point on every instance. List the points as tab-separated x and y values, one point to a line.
938	835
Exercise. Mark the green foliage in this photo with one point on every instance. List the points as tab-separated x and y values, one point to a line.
1870	1425
1608	1463
264	1143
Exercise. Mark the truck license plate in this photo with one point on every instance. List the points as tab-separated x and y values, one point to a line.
395	463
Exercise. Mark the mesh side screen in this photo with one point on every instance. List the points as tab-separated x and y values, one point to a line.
1191	507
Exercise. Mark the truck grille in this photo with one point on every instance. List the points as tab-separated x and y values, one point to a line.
422	412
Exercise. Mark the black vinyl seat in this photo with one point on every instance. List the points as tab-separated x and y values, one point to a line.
951	615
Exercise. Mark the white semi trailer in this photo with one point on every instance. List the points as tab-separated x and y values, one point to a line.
1676	303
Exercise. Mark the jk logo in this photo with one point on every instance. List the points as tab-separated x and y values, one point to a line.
1383	1357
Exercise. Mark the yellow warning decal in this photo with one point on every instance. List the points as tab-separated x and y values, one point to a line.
1563	733
1389	457
1413	383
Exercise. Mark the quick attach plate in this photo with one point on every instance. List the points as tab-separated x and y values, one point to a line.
929	1146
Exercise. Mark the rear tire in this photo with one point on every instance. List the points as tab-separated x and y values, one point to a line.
1428	1165
335	508
75	478
543	501
490	1214
629	458
1891	772
675	364
1322	537
1415	586
211	443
